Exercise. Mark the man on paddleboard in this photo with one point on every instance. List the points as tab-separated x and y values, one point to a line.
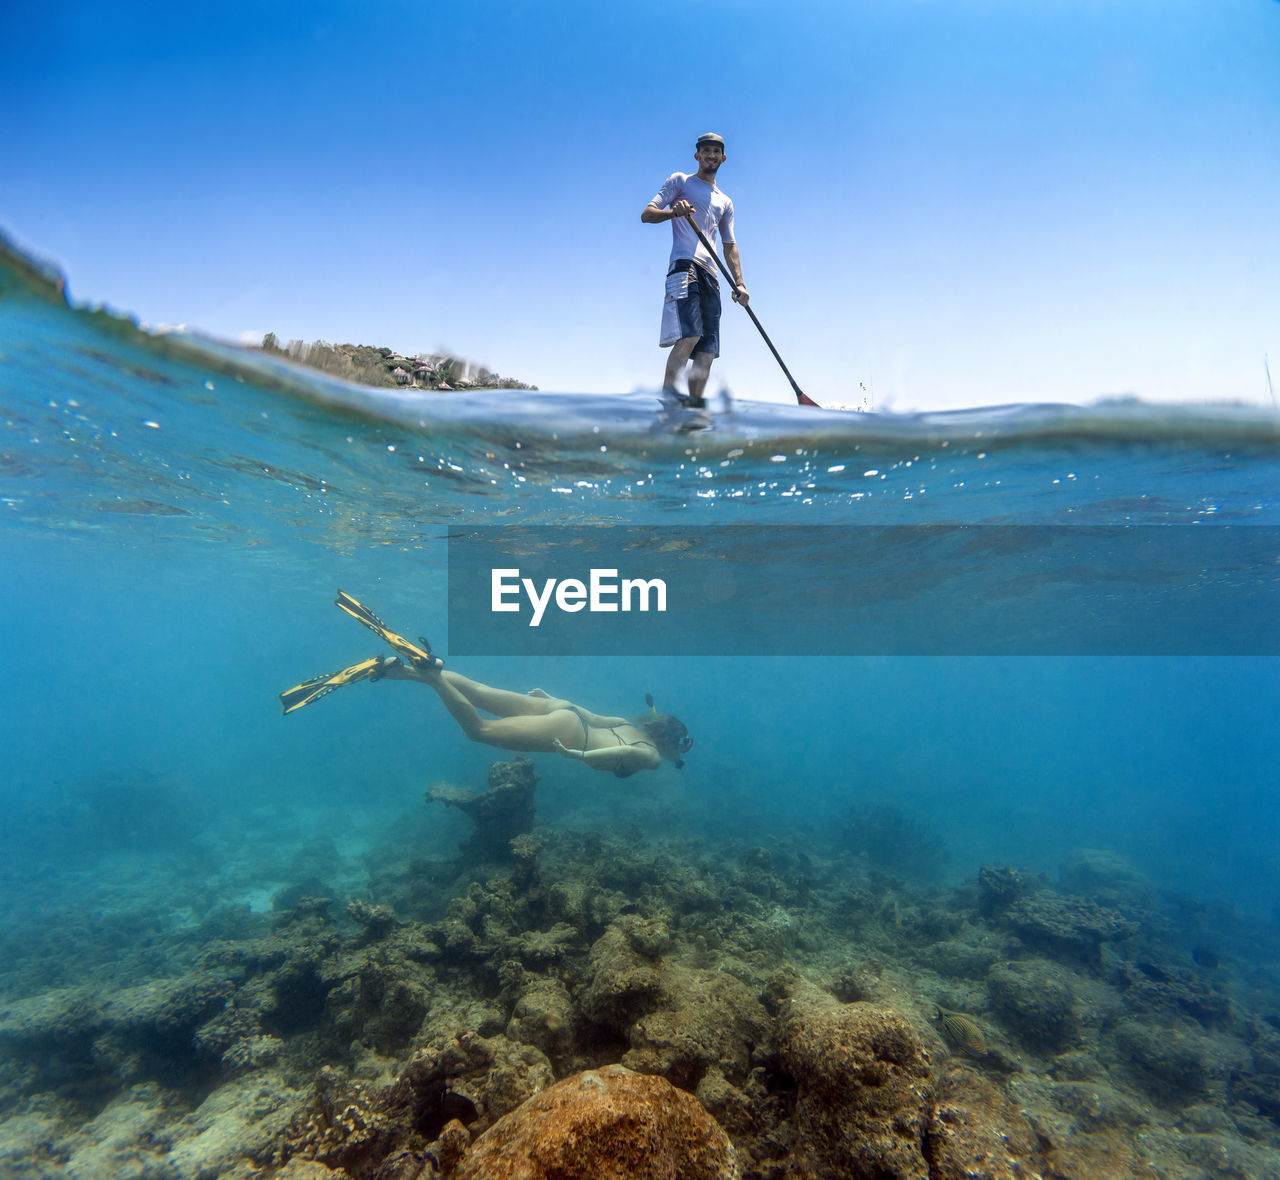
691	310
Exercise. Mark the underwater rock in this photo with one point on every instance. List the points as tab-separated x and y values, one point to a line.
377	921
1206	1119
1161	984
605	1124
999	886
375	997
540	948
974	1130
650	937
678	1021
447	1150
525	850
343	1127
864	1085
706	1019
1257	1084
72	1038
234	1038
308	1170
1076	1065
358	1128
500	814
1035	1002
500	1075
584	905
237	1120
731	1107
1173	1064
1223	1157
1095	1106
282	985
543	1016
961	960
621	984
1108	877
308	901
1068	928
857	981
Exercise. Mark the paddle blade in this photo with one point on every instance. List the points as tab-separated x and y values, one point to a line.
805	400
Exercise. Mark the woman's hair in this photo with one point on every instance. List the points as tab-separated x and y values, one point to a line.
668	733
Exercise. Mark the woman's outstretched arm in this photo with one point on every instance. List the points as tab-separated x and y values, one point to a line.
628	758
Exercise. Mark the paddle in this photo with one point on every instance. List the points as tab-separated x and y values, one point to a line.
801	397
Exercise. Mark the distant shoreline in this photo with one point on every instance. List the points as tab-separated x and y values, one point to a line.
384	368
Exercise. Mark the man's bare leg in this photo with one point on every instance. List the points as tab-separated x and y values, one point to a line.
698	374
679	356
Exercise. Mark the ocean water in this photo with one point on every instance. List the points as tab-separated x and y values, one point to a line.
176	514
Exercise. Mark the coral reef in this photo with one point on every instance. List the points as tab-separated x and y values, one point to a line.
772	1011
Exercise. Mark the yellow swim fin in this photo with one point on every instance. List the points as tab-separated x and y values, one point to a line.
419	657
319	686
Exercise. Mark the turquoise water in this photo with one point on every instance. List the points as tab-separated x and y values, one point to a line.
176	515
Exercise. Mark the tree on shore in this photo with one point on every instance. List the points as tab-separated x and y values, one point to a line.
365	365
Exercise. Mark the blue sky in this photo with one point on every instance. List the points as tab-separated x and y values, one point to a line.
954	203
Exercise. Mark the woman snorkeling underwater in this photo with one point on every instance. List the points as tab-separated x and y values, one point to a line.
530	722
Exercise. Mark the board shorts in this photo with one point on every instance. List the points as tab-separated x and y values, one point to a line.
691	307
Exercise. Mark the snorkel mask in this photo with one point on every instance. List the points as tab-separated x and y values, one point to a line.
684	743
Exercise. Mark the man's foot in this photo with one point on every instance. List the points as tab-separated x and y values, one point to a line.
688	400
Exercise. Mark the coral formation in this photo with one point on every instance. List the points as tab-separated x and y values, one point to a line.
864	1084
1067	928
779	1009
500	814
606	1124
1034	1001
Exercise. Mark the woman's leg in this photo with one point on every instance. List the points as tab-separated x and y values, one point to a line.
500	701
528	733
525	723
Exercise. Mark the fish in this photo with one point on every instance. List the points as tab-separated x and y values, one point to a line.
962	1032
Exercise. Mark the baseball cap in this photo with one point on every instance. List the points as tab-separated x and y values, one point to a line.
709	137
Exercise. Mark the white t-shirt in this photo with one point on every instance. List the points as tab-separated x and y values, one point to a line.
713	210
